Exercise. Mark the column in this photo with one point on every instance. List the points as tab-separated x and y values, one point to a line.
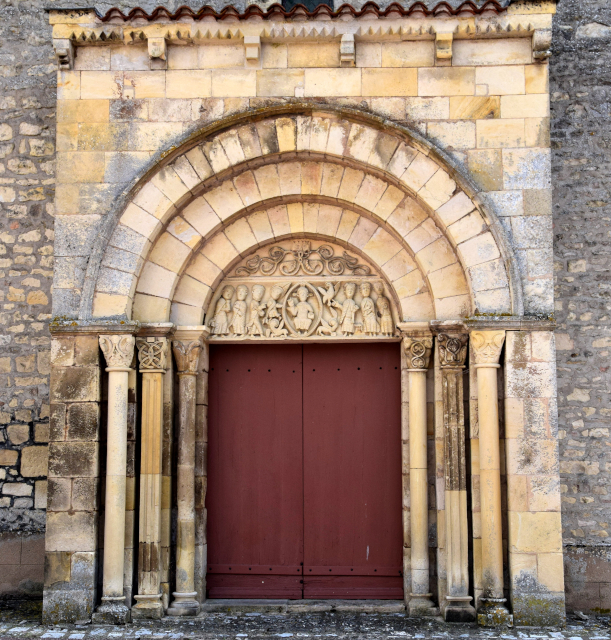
119	352
166	480
487	347
452	351
187	347
201	473
152	356
418	351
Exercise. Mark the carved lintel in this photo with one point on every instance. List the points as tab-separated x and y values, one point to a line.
347	51
186	353
542	44
443	47
118	350
64	53
152	353
487	346
452	350
252	48
158	53
418	351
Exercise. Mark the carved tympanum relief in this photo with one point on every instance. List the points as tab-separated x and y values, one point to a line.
298	291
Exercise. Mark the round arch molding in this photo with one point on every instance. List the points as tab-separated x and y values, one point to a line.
377	189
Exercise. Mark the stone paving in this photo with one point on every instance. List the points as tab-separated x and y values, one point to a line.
254	625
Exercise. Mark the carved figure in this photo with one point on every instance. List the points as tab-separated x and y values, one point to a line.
238	321
257	310
384	312
349	309
273	319
220	321
328	294
368	310
301	310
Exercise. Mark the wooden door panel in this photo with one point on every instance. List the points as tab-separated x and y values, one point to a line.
352	471
255	475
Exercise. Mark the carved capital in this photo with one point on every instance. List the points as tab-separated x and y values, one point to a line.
452	350
443	46
64	53
158	53
118	350
187	353
542	44
152	353
418	351
487	346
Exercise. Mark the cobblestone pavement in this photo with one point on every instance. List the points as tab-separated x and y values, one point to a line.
251	626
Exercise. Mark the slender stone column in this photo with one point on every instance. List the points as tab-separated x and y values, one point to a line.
152	355
119	352
418	352
487	347
187	347
452	355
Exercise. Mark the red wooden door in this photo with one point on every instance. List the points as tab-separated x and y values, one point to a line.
255	488
352	471
304	471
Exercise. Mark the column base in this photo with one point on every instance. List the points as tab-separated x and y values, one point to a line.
421	605
459	609
494	613
184	604
112	611
149	607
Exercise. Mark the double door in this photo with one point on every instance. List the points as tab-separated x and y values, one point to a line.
304	471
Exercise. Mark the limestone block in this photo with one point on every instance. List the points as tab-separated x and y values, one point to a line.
418	307
82	422
156	281
18	433
381	247
338	137
480	249
310	174
66	138
351	183
389	202
279	82
537	132
368	54
408	54
220	251
80	166
419	172
170	184
313	54
488	275
453	307
500	133
234	84
539	532
446	81
180	57
423	235
331	179
184	232
73	459
69	85
457	207
192	292
537	78
261	227
492	52
427	108
188	84
225	200
152	136
125	166
471	225
232	147
530	380
526	169
333	82
370	191
279	220
199	162
75	384
73	111
219	56
501	81
310	217
389	82
399	265
436	255
67	531
328	220
18	489
8	458
185	315
362	232
486	168
240	235
113	281
201	216
96	85
169	252
409	285
274	55
361	142
438	189
452	135
407	216
532	105
448	281
150	308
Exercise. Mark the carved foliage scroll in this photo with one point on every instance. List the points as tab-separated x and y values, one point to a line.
418	351
118	350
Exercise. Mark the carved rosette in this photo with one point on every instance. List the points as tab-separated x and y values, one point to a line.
418	351
152	353
118	350
487	346
452	350
186	353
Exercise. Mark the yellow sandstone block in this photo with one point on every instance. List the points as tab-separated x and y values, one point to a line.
498	134
492	52
150	308
446	81
332	82
274	55
240	235
295	215
537	78
538	532
501	81
390	82
260	224
536	132
156	281
80	166
220	56
474	107
220	251
203	270
279	219
68	85
101	84
550	571
188	84
83	111
313	55
408	54
107	305
279	82
285	129
169	253
66	137
67	199
453	135
239	83
533	105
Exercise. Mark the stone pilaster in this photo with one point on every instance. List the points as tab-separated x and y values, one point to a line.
487	346
187	347
452	351
118	350
417	347
152	358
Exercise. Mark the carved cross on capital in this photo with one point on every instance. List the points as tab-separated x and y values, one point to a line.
452	350
118	350
418	351
152	353
487	346
186	353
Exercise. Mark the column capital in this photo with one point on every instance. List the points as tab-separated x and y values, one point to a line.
152	352
187	346
418	347
487	346
118	351
452	350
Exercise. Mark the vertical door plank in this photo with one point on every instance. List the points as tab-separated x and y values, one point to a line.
255	475
352	471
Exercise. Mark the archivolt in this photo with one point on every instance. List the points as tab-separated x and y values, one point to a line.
236	188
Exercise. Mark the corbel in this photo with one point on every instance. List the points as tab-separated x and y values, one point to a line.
64	53
252	48
347	51
443	48
158	53
542	44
